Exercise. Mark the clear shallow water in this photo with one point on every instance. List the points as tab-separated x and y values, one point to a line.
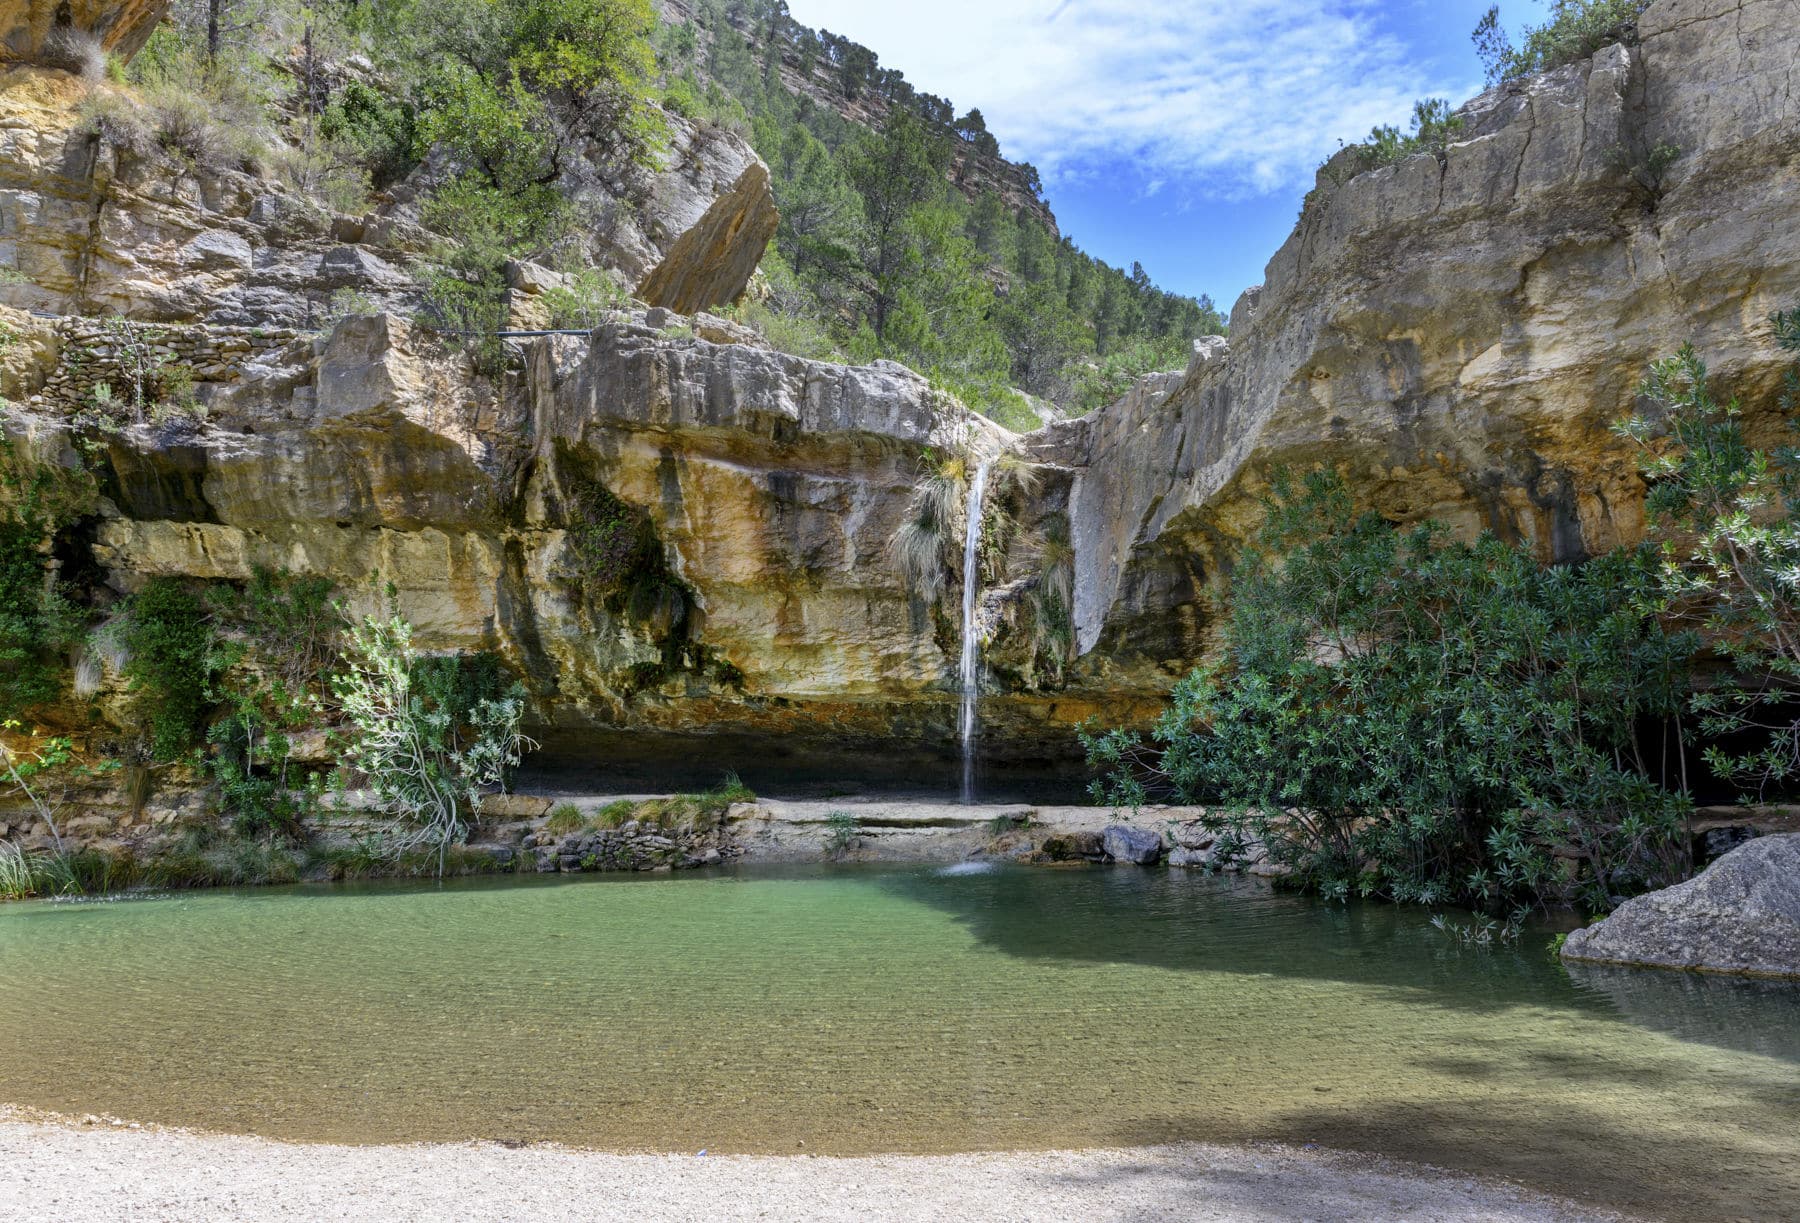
858	1010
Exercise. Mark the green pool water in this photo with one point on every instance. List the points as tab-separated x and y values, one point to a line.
862	1010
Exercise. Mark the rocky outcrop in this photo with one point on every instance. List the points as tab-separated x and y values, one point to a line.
713	260
1456	334
33	28
1740	915
97	220
771	484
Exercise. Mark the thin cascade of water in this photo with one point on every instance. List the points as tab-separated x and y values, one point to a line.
970	669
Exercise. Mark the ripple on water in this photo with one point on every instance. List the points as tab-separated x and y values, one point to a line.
859	1010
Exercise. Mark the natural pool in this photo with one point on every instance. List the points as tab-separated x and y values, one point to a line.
856	1010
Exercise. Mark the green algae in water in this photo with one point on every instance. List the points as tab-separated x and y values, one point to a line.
860	1010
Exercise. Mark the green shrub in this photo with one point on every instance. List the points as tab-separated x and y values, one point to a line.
38	623
842	831
279	643
170	641
1576	29
1434	127
1724	514
1106	380
584	299
1403	716
430	733
381	130
483	227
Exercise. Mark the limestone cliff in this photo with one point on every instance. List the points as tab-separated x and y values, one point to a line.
1456	333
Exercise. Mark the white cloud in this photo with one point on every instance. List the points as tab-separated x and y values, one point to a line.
1232	98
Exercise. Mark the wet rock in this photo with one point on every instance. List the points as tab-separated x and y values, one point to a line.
1192	834
1073	847
1124	843
498	857
1715	843
1740	915
1181	855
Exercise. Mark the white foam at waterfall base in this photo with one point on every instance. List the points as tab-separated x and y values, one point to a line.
970	669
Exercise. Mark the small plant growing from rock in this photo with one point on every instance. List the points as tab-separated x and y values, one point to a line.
615	813
428	745
564	819
842	831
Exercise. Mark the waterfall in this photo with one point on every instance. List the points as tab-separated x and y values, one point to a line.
970	669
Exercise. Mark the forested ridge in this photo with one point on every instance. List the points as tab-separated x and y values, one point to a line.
904	234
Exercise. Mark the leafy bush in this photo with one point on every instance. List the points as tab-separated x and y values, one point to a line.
170	641
483	226
1576	29
38	622
1724	513
381	130
1399	715
429	734
585	299
278	635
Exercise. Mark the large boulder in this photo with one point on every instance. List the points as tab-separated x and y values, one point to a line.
1740	915
1127	844
712	262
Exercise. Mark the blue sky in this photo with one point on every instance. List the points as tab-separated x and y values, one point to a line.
1180	133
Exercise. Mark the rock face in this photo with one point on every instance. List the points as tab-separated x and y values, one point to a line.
97	220
1740	915
32	27
1124	843
1457	334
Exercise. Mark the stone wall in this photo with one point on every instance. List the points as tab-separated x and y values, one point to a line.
119	353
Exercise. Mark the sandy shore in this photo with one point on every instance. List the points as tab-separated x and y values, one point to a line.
72	1172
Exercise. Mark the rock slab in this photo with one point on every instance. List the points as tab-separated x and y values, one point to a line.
1740	915
1126	844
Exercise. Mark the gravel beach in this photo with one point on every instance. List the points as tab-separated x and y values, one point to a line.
92	1172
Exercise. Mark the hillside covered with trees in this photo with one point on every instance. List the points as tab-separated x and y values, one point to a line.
904	234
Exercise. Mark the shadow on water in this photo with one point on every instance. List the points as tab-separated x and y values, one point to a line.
1197	923
795	766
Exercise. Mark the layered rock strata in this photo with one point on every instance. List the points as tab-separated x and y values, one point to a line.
1457	333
